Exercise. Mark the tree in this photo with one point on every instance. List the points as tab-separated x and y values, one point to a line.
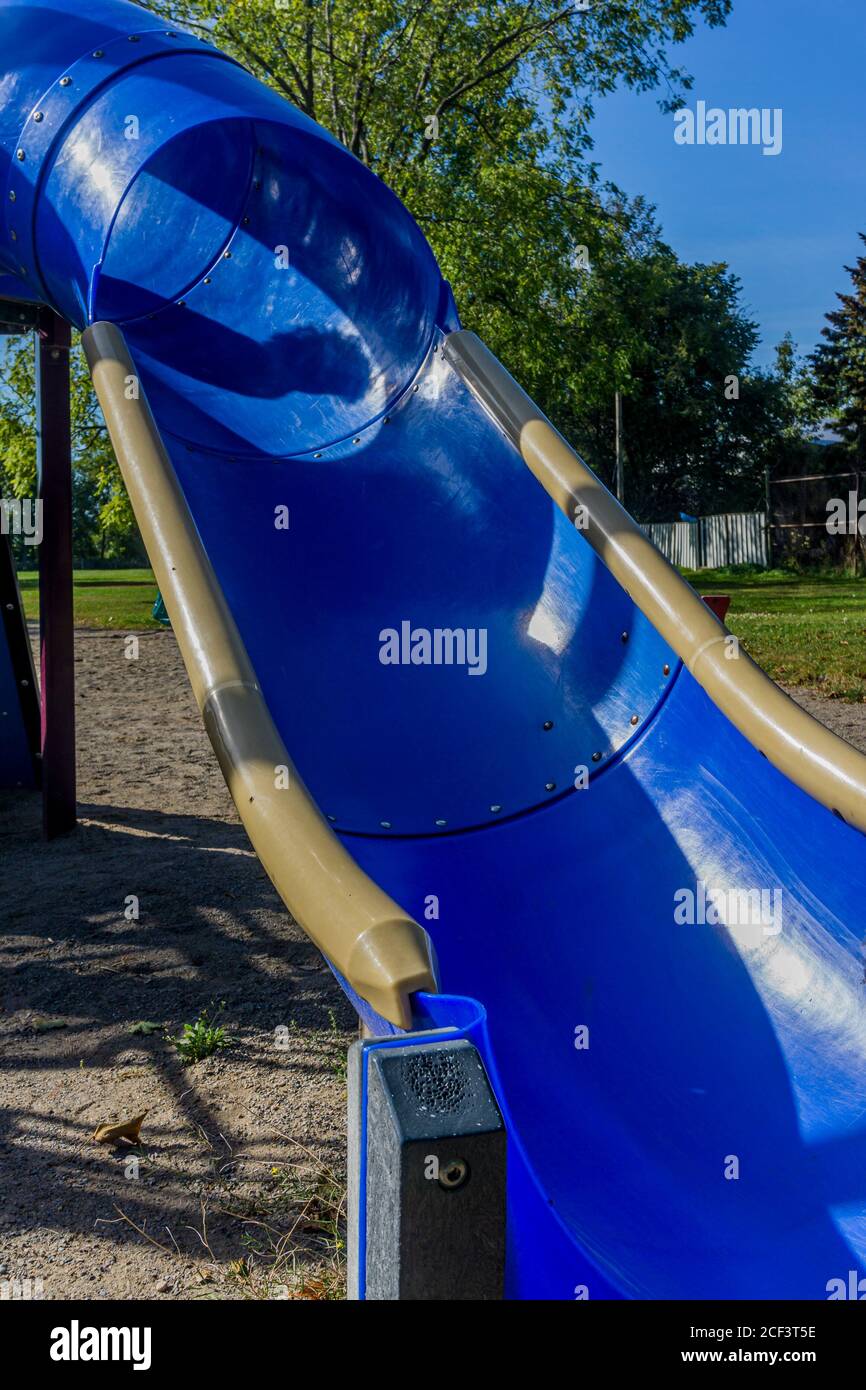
412	85
839	365
103	524
675	341
477	113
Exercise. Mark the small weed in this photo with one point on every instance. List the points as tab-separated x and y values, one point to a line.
200	1039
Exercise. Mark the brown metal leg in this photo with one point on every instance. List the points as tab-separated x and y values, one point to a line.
57	658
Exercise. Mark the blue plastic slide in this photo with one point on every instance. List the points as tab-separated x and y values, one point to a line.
652	934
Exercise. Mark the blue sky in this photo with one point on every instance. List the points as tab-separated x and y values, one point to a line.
785	224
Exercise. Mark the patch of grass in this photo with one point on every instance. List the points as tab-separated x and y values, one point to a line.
200	1039
336	1048
807	630
113	599
294	1236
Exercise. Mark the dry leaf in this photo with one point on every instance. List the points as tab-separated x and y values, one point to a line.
313	1289
126	1131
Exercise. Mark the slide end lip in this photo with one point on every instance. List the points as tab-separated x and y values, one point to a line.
388	963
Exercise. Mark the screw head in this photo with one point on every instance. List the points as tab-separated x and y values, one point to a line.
666	670
133	38
385	824
206	280
12	195
547	725
38	116
441	822
454	1173
550	786
596	757
13	234
19	154
496	808
227	255
65	81
633	719
623	637
98	53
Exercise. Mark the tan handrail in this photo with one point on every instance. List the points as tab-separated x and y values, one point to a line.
815	759
376	946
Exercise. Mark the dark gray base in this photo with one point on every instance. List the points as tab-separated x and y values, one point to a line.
435	1177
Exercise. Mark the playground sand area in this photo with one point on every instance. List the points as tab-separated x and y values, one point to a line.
236	1187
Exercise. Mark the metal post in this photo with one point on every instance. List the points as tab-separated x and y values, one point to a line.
57	657
768	524
427	1174
620	466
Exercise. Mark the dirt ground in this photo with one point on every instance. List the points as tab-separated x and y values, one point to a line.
845	719
237	1187
241	1152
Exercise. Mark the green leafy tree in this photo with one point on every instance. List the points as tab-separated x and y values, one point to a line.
103	524
412	86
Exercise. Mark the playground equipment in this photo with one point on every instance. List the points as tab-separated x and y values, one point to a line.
37	722
594	884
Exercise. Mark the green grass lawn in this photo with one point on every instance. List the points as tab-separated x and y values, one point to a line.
803	630
102	598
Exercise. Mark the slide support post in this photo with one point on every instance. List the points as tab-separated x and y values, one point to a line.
56	639
427	1173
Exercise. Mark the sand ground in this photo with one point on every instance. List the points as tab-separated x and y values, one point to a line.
255	1130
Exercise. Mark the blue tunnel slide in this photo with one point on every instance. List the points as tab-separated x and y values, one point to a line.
684	1087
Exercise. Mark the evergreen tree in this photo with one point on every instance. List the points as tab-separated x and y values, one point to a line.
839	364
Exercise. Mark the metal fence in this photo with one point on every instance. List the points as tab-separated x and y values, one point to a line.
800	509
709	542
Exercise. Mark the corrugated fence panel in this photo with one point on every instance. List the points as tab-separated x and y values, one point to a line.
734	538
677	540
